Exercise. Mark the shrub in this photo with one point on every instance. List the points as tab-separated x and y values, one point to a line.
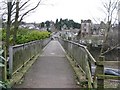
25	35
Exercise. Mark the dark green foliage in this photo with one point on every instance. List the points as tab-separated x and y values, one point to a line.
76	25
42	25
69	24
47	25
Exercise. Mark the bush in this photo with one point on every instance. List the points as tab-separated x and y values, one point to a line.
25	35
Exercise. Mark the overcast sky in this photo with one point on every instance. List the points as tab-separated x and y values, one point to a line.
71	9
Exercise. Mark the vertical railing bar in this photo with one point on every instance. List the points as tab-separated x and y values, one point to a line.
100	71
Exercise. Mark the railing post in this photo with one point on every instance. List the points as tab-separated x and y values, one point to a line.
23	55
88	72
100	71
11	61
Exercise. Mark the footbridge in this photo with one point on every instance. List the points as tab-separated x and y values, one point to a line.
57	63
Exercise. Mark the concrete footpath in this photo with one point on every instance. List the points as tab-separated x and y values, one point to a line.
51	70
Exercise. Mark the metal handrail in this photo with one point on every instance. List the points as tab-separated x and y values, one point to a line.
85	48
87	59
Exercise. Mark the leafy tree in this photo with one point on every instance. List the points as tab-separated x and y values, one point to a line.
68	23
42	25
56	24
47	25
76	25
56	21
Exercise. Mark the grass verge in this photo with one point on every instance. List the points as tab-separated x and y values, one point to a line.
17	77
80	77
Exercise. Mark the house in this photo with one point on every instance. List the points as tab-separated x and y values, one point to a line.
52	26
64	27
95	29
29	25
99	29
102	28
86	27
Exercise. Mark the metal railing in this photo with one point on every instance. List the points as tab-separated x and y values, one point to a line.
21	54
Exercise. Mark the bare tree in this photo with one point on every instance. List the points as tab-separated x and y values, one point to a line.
16	22
18	17
17	10
110	9
9	8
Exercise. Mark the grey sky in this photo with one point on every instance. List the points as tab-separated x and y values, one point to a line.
71	9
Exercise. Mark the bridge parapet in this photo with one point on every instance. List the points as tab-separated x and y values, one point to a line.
85	60
21	54
82	56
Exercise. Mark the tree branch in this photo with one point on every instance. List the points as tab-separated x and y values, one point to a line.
114	7
29	11
110	7
108	50
24	4
24	7
13	5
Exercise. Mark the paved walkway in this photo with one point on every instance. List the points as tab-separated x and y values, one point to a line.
51	70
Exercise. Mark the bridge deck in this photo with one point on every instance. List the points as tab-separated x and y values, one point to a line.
51	70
